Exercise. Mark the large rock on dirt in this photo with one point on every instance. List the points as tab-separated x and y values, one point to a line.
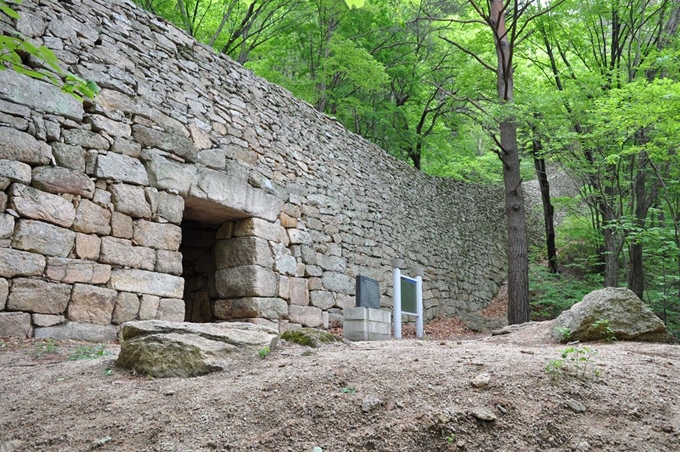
613	312
179	349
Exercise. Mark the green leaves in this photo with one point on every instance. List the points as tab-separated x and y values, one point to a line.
355	3
13	50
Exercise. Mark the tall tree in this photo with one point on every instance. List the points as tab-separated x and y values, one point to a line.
508	21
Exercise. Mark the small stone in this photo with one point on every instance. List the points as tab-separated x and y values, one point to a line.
370	403
43	238
130	200
58	180
88	246
483	414
576	407
36	295
127	307
47	319
92	218
148	307
92	304
481	381
157	235
38	205
17	324
121	168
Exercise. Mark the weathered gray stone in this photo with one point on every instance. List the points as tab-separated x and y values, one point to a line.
17	324
88	246
122	252
121	225
338	282
16	171
299	237
121	168
299	292
170	207
171	349
163	236
331	263
141	281
130	200
246	281
47	319
92	304
4	291
242	308
241	251
16	145
170	141
170	309
38	205
148	307
31	25
126	147
19	263
322	299
72	157
79	331
38	95
85	139
92	219
43	238
229	189
305	315
114	128
370	403
165	174
127	307
169	262
36	295
259	228
286	265
55	179
625	315
77	271
6	225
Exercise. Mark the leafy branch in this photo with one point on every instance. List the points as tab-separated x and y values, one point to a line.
15	50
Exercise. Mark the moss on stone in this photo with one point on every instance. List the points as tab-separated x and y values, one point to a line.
309	337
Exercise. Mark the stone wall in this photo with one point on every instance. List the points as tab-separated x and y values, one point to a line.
192	189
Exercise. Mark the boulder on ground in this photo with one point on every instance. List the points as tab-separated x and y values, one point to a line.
179	349
309	337
612	312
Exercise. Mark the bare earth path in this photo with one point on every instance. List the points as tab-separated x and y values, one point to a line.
404	395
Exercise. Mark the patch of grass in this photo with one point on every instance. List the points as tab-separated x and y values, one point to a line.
564	333
263	352
46	347
348	390
577	362
89	352
605	329
552	293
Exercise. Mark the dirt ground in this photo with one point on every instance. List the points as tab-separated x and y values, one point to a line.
407	395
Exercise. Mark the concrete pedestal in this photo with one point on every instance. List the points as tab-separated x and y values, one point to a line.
366	324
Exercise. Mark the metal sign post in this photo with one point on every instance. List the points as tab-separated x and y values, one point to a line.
408	297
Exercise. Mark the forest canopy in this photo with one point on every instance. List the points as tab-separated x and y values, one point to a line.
594	94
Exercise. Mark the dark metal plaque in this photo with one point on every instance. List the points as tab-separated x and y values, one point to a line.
409	300
368	292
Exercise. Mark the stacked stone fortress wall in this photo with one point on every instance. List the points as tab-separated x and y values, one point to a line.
190	189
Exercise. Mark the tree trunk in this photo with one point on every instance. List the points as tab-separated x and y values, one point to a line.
548	213
518	264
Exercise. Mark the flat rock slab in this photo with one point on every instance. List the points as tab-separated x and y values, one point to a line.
179	349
